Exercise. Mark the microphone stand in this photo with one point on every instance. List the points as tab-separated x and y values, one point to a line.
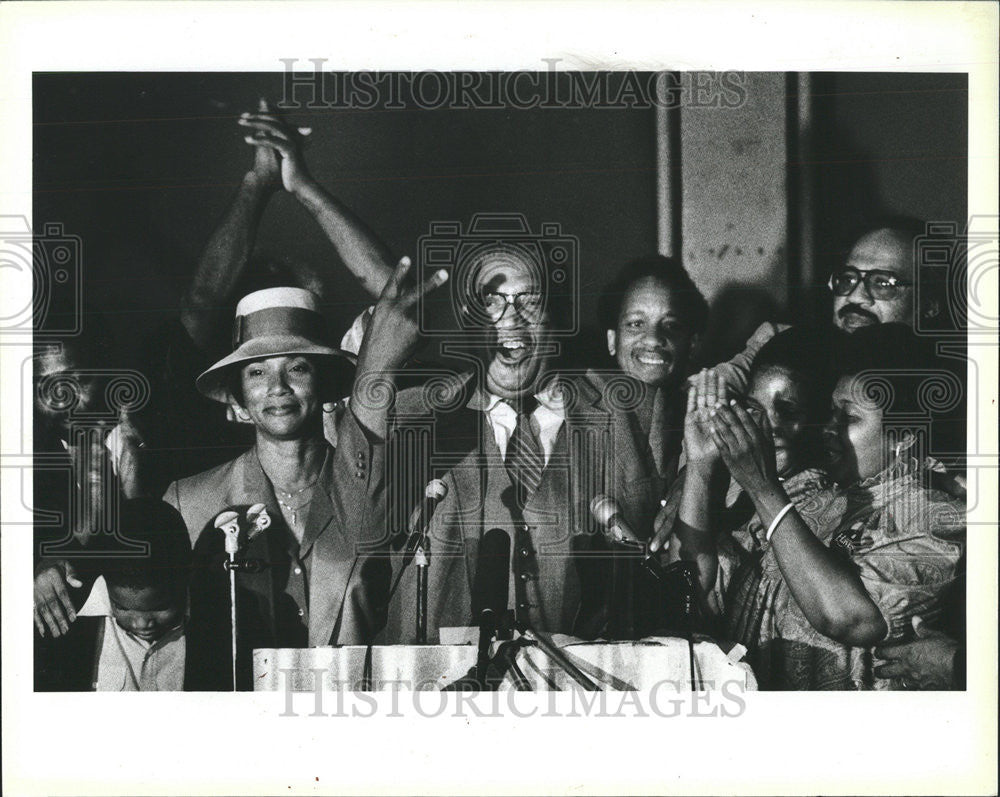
421	560
232	531
687	574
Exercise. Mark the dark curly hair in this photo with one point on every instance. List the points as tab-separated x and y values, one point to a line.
668	271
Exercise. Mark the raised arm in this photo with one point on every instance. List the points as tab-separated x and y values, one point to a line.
364	254
825	585
693	534
228	250
393	335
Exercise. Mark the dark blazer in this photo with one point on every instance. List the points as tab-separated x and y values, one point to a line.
346	582
437	434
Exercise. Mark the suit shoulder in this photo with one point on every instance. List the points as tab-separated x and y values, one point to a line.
438	392
206	481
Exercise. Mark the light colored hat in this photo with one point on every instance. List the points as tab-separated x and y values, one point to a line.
271	323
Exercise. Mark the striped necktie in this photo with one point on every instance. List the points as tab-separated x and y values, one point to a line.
525	460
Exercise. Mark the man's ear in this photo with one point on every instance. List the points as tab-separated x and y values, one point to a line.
612	342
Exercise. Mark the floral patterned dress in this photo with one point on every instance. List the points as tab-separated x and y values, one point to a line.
904	539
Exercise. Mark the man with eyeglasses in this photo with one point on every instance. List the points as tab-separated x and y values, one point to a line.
522	449
875	285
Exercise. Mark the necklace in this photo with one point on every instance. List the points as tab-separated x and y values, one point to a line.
286	498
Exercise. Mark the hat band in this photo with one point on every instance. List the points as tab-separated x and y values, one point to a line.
278	321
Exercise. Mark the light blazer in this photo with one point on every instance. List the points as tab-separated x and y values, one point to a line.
346	582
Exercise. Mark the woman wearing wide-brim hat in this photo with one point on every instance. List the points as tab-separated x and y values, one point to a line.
316	576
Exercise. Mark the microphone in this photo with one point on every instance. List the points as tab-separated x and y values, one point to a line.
420	518
489	594
229	523
608	514
419	523
434	492
492	581
238	528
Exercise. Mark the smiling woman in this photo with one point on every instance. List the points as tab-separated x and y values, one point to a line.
314	589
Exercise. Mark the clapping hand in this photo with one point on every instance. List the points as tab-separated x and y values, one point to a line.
746	448
278	159
706	391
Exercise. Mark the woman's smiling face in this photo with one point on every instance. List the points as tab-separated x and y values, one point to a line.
281	395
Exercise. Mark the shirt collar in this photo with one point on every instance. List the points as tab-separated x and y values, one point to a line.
552	398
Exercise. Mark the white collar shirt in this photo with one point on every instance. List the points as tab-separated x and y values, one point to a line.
129	664
546	419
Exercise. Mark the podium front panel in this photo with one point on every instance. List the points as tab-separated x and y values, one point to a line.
615	666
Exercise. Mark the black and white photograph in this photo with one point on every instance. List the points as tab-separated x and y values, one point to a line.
596	391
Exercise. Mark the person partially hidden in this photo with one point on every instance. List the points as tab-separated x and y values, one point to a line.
131	634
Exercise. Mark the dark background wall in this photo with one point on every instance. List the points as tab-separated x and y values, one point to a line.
888	144
142	166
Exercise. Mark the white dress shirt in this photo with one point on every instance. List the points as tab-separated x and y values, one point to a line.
546	420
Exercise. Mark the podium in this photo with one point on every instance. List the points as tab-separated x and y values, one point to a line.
613	666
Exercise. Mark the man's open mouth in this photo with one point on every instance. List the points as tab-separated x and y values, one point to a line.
513	349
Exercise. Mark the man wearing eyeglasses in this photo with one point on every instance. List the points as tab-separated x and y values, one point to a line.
876	284
522	449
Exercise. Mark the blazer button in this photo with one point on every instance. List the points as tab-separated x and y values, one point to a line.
298	572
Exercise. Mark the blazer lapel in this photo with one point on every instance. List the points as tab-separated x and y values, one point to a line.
255	488
463	444
333	559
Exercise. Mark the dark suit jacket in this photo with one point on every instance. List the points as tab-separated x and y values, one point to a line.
436	434
346	582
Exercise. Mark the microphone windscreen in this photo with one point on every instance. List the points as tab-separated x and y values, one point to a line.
225	518
436	490
603	508
492	579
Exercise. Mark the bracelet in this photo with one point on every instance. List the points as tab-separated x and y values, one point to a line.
777	519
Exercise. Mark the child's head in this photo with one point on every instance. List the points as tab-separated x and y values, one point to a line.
148	589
